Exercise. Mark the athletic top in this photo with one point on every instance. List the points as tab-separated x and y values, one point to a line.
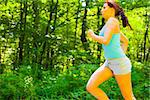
113	49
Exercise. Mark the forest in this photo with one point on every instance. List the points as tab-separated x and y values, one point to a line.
45	53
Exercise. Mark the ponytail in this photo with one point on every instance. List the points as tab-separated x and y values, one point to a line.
124	19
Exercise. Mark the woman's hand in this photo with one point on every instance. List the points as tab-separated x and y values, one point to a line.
100	39
90	33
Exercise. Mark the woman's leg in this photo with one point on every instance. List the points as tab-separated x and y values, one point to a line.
99	76
125	85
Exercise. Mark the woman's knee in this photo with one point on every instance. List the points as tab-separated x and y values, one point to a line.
129	97
90	87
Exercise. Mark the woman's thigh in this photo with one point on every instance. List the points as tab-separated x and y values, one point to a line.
125	85
102	74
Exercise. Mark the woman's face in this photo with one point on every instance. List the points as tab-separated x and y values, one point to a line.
107	11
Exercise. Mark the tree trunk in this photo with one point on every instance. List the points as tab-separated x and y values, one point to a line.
21	38
55	17
46	32
35	32
6	1
24	32
141	51
145	36
75	35
0	52
147	56
83	38
67	28
51	52
77	17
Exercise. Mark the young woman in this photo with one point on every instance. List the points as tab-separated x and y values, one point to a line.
115	45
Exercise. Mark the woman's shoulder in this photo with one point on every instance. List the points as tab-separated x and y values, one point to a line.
113	24
112	20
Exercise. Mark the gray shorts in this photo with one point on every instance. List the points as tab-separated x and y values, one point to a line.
119	65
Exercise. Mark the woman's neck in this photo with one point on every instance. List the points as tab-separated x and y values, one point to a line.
110	17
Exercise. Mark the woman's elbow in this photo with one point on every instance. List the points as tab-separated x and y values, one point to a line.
126	42
105	42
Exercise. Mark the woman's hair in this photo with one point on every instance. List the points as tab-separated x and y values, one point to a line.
119	12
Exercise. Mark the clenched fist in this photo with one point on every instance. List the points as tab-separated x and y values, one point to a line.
90	33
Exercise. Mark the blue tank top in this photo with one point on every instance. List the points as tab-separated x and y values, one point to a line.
113	49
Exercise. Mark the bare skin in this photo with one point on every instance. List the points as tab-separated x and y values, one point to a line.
103	73
109	0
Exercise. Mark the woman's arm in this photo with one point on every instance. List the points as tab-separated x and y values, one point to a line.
99	39
124	42
111	25
109	0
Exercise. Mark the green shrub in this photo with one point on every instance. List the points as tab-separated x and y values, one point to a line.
68	85
15	85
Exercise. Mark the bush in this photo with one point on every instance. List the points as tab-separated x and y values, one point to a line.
16	85
70	84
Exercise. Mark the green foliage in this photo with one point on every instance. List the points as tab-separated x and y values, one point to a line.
17	84
140	77
53	56
66	85
13	86
70	84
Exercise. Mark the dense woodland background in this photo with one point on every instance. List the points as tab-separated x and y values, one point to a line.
45	54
